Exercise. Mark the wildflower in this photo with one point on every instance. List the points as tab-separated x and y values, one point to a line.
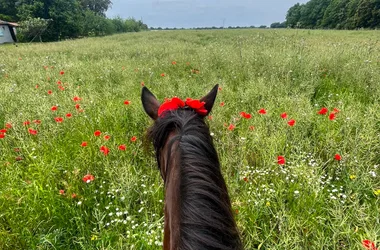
94	237
352	177
77	106
50	92
335	110
76	99
332	116
231	127
68	115
73	195
245	115
262	111
37	121
251	128
37	86
61	72
3	131
122	147
88	178
220	88
8	125
323	111
337	157
54	108
61	192
58	119
209	117
134	138
291	122
377	192
284	115
32	131
61	88
142	84
267	204
222	104
281	160
104	150
107	137
370	245
174	62
26	123
2	135
83	144
245	179
18	158
97	133
126	102
162	74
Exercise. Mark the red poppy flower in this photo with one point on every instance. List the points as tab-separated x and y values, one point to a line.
3	130
220	88
61	192
8	125
284	115
122	147
332	116
54	108
37	121
245	179
61	72
337	157
245	115
59	82
69	115
104	150
323	111
97	133
251	127
291	122
170	104
88	178
58	119
142	84
77	106
162	74
18	158
76	99
126	102
36	86
2	135
83	144
134	138
26	123
32	131
231	127
210	117
197	105
370	245
50	92
281	160
262	111
222	104
73	195
335	110
61	88
107	137
174	62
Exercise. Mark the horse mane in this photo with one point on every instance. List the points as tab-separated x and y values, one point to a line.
206	219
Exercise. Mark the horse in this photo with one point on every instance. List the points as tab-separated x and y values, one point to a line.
197	209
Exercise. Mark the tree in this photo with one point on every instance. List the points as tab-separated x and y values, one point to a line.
335	15
97	6
294	15
8	10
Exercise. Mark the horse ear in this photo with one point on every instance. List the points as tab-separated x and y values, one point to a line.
150	103
209	99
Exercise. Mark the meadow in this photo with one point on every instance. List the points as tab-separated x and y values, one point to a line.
296	125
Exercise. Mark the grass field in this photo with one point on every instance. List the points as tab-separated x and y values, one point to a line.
55	96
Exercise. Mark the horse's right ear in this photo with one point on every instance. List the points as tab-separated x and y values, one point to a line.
150	103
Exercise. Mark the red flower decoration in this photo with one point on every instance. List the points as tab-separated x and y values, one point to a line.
338	157
54	108
104	150
262	111
134	138
231	127
126	102
323	111
59	82
197	105
245	115
281	160
76	99
69	115
58	119
291	123
332	116
284	115
97	133
170	104
83	144
88	178
370	245
32	131
122	147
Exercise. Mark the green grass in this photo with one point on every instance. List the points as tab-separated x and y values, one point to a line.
309	203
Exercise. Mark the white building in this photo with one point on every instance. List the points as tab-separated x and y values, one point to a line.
7	32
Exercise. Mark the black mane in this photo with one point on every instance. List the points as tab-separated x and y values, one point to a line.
206	219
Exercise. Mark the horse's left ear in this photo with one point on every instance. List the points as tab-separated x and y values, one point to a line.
209	99
150	103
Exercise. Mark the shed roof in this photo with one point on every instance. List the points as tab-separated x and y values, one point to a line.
8	23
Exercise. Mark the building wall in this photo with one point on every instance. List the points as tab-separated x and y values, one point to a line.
5	35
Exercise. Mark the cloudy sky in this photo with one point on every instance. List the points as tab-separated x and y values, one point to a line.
203	13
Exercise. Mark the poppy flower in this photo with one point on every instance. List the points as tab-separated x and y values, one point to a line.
245	179
323	111
37	121
2	135
61	88
245	115
37	86
18	158
284	115
220	88
222	104
59	82
8	125
251	128
104	150
231	127
170	104
73	195
332	116
69	115
162	74
97	133
77	106
61	72
54	108
335	110
281	160
26	123
32	131
50	92
174	62
122	147
3	130
262	111
291	123
61	192
370	245
134	138
76	99
58	119
107	137
88	178
83	144
338	157
126	102
197	105
142	84
210	117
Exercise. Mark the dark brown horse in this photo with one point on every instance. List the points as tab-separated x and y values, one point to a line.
198	211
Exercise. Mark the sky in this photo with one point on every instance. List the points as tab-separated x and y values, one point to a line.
202	13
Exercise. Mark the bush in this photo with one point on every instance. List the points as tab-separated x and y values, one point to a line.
31	29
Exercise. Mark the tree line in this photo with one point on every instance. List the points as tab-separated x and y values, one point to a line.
53	20
335	14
